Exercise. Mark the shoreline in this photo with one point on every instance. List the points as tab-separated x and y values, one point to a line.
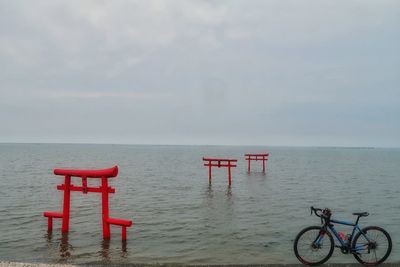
22	264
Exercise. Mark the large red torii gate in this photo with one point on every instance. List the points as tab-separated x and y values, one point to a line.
104	189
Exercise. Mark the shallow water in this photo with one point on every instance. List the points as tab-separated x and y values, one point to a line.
178	217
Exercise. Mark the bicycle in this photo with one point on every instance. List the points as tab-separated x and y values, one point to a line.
314	245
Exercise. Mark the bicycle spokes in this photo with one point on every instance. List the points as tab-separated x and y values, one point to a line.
371	246
313	245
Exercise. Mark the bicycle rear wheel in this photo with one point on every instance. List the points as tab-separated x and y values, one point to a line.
372	246
313	245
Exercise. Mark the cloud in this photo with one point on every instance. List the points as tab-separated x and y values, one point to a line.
272	72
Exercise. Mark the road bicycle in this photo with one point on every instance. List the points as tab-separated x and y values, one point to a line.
314	245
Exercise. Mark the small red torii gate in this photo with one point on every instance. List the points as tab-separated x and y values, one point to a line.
257	157
217	162
104	189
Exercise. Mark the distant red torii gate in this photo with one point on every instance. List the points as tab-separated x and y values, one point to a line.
104	189
257	157
217	162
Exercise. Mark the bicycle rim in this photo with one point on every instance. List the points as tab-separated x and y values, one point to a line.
313	245
373	247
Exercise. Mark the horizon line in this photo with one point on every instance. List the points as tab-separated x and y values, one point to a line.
165	144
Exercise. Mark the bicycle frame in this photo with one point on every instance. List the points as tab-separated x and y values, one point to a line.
344	245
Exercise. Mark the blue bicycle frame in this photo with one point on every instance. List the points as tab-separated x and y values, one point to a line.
347	244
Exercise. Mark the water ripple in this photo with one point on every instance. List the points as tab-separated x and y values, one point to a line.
178	217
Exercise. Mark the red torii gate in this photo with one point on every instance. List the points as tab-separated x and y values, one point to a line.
216	162
256	157
104	189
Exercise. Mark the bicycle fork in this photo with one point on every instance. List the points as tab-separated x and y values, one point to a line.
317	242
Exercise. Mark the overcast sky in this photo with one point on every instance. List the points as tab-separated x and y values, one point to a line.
304	73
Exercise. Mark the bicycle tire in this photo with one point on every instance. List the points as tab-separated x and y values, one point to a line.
318	230
372	246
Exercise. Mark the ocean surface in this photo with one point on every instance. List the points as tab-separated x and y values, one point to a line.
180	218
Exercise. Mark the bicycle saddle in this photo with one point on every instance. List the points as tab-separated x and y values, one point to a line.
361	214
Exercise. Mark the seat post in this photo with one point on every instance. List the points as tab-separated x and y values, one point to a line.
358	218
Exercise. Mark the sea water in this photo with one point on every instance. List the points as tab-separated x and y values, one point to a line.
178	217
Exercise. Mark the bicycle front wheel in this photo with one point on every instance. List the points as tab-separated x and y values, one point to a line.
313	245
372	246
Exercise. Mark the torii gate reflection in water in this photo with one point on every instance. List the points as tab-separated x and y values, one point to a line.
104	189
